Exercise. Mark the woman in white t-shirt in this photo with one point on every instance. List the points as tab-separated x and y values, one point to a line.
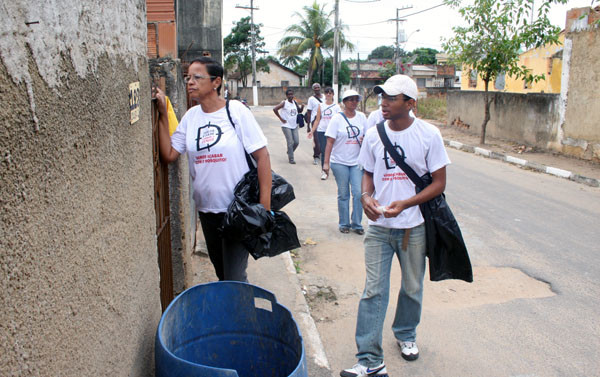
216	153
289	122
344	137
325	112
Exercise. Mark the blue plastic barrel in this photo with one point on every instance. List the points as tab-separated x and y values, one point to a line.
228	329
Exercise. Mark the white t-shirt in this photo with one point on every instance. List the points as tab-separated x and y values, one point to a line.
348	138
327	112
312	105
423	147
374	118
215	152
289	111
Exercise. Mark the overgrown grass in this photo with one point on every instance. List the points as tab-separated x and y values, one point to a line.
432	107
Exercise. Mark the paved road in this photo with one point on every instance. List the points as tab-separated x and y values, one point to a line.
535	246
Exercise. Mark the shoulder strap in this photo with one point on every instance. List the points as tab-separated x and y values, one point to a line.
414	177
318	99
350	124
249	158
297	107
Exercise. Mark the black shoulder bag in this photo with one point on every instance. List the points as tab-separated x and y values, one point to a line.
446	249
261	233
299	116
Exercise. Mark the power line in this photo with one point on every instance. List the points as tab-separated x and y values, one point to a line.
408	15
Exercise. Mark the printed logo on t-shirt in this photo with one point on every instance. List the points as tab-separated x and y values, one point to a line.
327	112
389	161
208	136
353	131
293	112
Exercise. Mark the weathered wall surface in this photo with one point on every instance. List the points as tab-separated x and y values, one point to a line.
580	134
80	288
274	95
524	118
199	29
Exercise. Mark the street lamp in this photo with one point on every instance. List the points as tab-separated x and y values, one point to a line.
405	41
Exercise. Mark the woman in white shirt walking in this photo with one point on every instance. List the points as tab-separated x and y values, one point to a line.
325	112
344	137
289	122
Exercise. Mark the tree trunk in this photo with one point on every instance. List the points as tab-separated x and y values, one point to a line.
486	117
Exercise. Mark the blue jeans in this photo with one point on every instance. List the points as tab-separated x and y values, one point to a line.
348	178
322	144
380	246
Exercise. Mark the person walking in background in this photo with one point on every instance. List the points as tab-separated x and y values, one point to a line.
325	112
311	114
395	224
344	137
289	122
217	158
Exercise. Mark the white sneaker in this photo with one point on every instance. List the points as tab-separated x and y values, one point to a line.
324	176
410	351
363	371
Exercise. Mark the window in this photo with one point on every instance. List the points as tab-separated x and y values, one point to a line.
285	83
500	82
472	78
421	82
257	83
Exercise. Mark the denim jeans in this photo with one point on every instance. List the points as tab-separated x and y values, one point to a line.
380	246
348	178
292	140
322	144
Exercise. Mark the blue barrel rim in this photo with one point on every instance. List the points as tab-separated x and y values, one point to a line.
168	351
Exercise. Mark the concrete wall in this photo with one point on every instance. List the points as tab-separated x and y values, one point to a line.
80	279
524	118
580	132
199	29
274	95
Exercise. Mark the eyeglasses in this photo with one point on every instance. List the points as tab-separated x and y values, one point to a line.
196	78
353	99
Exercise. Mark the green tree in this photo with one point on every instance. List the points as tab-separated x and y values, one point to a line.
424	55
497	32
383	52
312	35
343	75
238	50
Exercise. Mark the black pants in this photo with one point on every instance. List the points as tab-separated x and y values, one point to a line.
229	258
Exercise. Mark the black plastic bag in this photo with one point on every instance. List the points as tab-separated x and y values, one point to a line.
281	191
281	238
446	249
244	220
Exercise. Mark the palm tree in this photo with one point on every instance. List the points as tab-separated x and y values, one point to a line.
313	35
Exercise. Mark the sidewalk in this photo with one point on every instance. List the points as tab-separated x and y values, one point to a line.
574	169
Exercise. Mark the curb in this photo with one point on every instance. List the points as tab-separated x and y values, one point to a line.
312	335
593	182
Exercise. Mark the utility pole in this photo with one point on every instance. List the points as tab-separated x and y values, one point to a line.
397	54
358	73
252	40
336	48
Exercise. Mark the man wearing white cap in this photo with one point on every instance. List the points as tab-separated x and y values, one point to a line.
395	223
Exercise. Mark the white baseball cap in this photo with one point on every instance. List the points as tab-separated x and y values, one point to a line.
351	93
398	84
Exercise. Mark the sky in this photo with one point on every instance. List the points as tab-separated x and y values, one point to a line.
368	22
